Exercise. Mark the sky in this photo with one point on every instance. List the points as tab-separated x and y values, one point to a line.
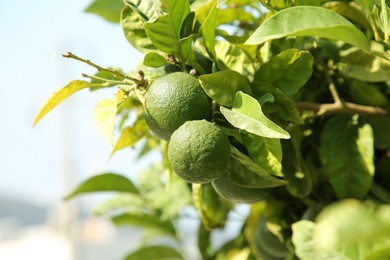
33	161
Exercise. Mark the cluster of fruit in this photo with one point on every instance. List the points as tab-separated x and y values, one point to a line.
177	110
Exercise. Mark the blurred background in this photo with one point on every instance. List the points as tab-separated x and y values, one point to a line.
41	165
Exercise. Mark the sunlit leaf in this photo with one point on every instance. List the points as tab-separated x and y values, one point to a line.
155	253
309	21
132	25
265	152
123	202
247	115
148	222
244	172
306	245
104	182
208	30
212	208
108	9
131	135
364	66
104	117
60	96
288	71
154	60
222	86
347	229
164	32
347	155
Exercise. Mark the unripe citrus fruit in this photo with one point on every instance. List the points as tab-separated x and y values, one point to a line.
239	194
199	152
172	100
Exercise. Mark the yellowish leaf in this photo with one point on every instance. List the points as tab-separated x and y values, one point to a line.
104	116
60	96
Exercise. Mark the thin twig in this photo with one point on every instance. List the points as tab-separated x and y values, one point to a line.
115	82
342	108
99	68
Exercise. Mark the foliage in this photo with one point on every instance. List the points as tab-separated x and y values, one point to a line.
301	88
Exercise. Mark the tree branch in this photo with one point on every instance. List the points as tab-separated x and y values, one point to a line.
99	68
342	108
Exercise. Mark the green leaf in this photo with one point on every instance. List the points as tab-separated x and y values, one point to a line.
155	253
60	96
287	108
364	66
246	114
347	155
244	172
288	71
104	117
231	57
381	128
306	245
123	202
108	9
167	197
309	21
265	152
268	244
131	135
154	60
133	28
222	86
164	32
147	10
208	30
346	219
300	181
367	94
104	182
212	208
152	223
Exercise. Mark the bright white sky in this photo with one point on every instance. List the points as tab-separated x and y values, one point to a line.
33	35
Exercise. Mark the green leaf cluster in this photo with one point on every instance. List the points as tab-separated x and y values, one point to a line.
301	89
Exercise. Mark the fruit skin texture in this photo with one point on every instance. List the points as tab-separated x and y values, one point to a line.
173	99
199	152
238	194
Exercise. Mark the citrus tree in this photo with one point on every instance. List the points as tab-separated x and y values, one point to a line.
279	104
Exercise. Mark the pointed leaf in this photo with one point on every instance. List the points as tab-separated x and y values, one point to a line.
104	117
131	135
154	60
123	202
288	71
104	182
247	115
164	32
108	9
60	96
309	21
265	152
347	155
152	223
208	30
133	28
222	86
155	253
244	172
212	208
365	66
